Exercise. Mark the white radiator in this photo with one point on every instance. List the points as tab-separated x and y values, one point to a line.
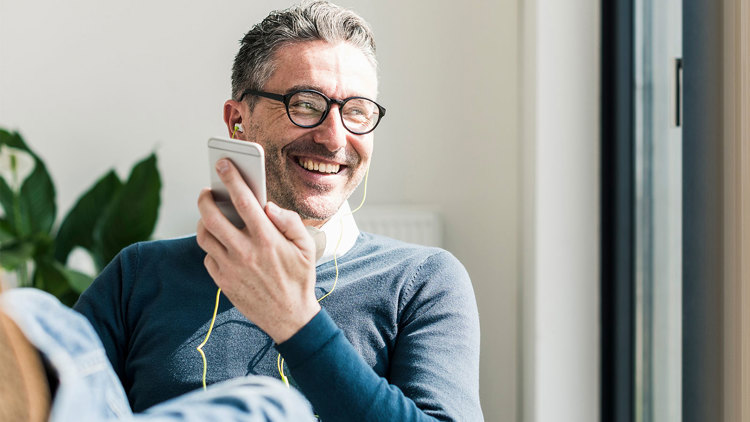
410	224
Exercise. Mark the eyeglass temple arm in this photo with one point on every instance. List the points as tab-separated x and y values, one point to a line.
276	97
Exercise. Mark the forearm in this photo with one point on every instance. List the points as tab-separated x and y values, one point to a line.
338	382
253	398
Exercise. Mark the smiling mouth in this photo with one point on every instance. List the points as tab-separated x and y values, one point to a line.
318	167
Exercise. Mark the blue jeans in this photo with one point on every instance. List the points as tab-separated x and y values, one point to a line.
89	390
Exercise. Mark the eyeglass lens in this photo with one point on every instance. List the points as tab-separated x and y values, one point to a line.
307	108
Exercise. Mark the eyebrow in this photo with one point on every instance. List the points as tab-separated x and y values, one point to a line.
319	89
299	87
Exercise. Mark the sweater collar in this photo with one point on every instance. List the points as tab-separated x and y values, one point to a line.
340	226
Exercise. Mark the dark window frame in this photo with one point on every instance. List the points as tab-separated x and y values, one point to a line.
617	212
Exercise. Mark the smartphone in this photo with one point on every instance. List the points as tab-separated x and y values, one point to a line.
249	160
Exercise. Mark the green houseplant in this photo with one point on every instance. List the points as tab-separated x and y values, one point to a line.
107	217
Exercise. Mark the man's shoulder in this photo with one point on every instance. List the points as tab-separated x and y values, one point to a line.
426	275
145	266
173	246
150	254
390	249
372	242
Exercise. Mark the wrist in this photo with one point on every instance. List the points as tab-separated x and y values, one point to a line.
299	320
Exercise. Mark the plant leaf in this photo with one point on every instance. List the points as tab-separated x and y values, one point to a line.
6	195
77	280
37	196
50	278
12	255
6	200
38	199
131	215
77	229
13	139
6	231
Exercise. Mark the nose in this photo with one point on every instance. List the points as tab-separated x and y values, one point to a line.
331	132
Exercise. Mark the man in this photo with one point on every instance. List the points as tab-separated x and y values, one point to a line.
372	330
55	369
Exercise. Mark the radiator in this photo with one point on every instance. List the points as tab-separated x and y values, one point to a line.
410	224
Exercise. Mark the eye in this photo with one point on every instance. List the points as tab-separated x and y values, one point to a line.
306	105
360	110
355	111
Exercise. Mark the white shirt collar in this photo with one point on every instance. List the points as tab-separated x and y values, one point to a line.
340	226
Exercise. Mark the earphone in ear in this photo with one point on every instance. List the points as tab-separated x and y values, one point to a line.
237	128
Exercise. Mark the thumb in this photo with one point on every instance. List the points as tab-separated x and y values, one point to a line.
290	225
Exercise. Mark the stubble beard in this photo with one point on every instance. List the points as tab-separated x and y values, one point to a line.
281	190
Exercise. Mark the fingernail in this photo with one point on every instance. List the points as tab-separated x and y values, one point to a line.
274	208
222	166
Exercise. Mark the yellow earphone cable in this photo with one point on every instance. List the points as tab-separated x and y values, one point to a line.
279	359
213	318
210	328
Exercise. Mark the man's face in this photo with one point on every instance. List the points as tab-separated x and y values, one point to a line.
338	71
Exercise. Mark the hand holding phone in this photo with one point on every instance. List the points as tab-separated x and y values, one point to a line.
249	160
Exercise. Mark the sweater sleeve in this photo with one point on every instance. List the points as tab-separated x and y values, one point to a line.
104	306
338	382
433	367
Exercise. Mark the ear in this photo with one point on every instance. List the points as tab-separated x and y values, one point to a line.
233	116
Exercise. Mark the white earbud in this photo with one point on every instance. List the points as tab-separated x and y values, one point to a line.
238	127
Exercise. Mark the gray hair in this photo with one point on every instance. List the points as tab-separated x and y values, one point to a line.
309	21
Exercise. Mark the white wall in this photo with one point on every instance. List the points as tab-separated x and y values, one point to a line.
560	241
94	84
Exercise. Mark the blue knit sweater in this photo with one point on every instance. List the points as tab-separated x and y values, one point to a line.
398	339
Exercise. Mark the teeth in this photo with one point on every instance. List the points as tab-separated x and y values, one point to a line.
319	167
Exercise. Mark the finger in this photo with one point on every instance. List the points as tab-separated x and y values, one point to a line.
214	221
290	225
208	242
213	269
244	200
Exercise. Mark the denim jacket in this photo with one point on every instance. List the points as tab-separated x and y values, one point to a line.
89	390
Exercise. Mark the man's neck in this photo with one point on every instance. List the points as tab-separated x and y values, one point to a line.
334	236
315	223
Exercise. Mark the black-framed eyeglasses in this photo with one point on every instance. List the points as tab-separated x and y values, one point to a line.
308	108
